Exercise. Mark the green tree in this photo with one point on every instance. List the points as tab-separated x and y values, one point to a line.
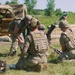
58	12
30	5
7	2
12	2
49	11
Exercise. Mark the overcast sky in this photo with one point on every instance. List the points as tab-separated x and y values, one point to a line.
64	5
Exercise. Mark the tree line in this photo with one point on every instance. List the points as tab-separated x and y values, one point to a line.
49	11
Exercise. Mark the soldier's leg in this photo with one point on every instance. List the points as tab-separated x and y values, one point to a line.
30	64
36	64
14	45
22	63
21	45
26	62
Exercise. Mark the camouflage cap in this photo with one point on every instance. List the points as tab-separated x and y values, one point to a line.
41	27
28	17
34	22
63	24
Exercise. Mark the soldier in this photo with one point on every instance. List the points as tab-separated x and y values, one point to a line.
16	28
67	41
36	47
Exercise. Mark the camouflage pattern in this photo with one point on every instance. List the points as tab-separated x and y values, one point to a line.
12	25
34	22
63	24
21	26
40	41
37	47
68	39
14	44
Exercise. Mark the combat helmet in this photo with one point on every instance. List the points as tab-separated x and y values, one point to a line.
63	24
34	22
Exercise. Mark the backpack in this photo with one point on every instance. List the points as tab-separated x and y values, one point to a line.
40	41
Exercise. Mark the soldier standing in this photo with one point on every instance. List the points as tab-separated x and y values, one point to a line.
16	29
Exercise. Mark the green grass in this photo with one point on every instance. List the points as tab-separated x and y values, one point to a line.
46	20
64	68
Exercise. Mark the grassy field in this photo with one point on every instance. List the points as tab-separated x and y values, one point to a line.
48	20
65	68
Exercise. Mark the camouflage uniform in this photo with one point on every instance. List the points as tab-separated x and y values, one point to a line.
14	44
36	46
68	39
22	26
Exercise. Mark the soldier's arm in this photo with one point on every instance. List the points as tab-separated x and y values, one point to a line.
26	45
62	42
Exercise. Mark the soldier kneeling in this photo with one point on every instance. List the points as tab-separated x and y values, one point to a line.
36	47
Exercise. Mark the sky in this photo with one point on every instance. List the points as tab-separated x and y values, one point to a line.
64	5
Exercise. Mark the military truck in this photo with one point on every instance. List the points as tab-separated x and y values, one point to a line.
9	13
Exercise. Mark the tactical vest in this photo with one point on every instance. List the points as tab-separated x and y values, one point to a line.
39	41
70	40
